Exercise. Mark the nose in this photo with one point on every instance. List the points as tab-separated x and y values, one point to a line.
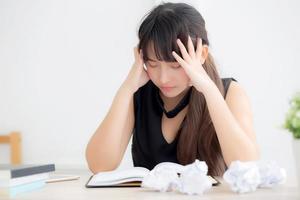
164	75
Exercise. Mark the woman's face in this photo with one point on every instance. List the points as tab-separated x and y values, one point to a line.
169	77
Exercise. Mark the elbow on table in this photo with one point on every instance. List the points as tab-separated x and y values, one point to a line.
97	165
250	155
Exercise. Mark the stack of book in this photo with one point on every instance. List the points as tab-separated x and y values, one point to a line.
16	179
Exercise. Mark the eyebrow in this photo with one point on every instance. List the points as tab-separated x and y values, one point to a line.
157	60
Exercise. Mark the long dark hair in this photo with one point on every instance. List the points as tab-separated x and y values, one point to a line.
162	26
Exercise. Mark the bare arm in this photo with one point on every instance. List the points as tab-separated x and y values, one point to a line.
233	121
107	146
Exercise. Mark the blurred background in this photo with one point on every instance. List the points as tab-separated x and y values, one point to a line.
62	61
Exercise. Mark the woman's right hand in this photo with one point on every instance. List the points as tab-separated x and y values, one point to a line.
137	76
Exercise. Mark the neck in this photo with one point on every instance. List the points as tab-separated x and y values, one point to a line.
171	102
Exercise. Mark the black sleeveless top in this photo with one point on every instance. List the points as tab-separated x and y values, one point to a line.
149	146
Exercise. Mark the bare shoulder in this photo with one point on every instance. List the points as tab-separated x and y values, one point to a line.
239	103
235	93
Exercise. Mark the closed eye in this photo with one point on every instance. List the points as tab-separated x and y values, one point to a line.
176	66
151	64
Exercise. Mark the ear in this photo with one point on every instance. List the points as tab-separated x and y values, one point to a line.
204	54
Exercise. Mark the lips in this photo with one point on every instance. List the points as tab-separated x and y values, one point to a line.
167	88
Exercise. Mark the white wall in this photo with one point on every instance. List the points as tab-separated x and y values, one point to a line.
258	43
61	63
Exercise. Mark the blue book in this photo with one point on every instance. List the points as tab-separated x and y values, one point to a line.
13	191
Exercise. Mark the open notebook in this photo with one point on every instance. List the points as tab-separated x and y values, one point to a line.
131	177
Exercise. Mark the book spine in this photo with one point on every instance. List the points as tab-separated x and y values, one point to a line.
32	170
23	180
26	188
13	191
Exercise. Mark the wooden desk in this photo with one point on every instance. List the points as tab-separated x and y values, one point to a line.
76	190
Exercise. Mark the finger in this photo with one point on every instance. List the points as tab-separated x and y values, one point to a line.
183	51
142	61
179	59
141	55
136	54
199	48
140	58
191	47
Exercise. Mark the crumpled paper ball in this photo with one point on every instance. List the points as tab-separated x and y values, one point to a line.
242	176
162	178
193	178
271	174
248	176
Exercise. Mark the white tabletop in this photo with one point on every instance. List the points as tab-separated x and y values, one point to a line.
76	190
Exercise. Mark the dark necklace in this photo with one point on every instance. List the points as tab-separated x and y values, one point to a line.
180	106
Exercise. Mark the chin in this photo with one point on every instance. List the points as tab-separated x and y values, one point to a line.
172	93
168	95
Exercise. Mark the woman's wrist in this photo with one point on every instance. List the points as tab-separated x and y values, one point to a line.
205	86
210	90
128	87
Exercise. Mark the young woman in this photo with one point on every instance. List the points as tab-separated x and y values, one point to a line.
177	107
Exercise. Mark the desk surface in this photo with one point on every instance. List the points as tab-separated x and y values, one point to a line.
76	190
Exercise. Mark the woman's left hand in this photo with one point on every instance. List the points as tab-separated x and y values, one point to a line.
192	64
